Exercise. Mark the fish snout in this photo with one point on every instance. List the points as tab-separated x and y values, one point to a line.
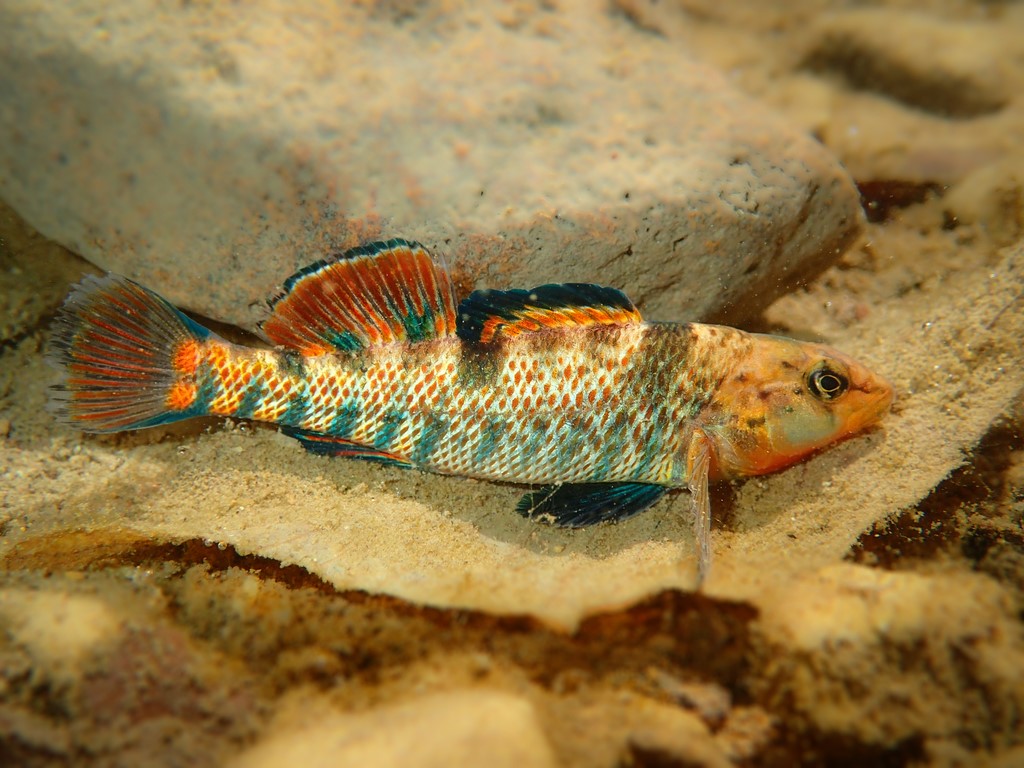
877	398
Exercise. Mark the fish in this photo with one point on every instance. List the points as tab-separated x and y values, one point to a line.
563	387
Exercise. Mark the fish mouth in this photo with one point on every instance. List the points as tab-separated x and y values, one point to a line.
880	396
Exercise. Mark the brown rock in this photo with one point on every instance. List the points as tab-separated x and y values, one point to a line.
448	729
881	657
673	738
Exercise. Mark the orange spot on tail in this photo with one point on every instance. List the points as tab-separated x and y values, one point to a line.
181	396
186	357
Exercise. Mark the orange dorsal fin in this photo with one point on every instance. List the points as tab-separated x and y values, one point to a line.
382	293
487	315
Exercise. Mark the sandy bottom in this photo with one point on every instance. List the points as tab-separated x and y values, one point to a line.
210	594
186	594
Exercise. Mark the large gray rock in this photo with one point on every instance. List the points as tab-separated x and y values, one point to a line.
208	153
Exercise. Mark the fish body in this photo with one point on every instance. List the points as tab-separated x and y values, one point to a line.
563	386
597	404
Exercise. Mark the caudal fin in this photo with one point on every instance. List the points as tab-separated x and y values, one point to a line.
128	358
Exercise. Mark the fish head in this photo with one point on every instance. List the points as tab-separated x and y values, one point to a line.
786	399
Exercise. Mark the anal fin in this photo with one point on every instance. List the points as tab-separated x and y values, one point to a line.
576	505
326	445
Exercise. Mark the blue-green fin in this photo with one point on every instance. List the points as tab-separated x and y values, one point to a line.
380	293
325	445
487	315
576	505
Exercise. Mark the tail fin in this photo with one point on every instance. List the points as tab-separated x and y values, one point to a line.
128	358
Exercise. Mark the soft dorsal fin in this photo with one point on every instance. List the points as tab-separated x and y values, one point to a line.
487	315
380	293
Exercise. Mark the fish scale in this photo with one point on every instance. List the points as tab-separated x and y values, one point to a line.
563	385
567	408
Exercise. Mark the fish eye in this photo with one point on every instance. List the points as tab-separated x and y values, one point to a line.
826	384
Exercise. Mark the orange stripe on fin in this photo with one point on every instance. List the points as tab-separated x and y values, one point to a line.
381	293
487	315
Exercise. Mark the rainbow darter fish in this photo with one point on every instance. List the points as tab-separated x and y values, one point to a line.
563	386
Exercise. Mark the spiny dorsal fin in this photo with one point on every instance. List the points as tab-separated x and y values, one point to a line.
380	293
486	315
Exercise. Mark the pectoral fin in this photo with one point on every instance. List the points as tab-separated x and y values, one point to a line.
698	463
575	505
